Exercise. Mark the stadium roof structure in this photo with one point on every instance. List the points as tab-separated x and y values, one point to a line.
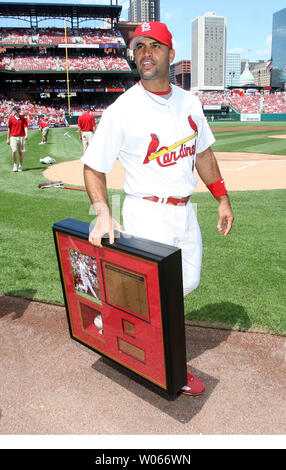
72	12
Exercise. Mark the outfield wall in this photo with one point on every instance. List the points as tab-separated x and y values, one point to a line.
244	117
219	115
273	117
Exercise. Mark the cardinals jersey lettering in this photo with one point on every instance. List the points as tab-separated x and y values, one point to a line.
155	139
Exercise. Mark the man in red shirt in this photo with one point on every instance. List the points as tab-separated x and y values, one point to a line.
17	136
44	126
86	127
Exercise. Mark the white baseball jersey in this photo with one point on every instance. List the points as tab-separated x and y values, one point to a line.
155	139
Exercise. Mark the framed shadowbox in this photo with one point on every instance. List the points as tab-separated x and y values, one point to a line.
125	301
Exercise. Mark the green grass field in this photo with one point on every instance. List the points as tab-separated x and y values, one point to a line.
243	275
257	141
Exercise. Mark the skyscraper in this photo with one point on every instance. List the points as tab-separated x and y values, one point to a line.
278	72
208	52
232	69
144	10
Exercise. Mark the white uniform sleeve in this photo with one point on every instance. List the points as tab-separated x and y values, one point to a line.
103	150
205	135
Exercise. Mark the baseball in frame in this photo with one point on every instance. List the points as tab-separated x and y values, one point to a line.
98	323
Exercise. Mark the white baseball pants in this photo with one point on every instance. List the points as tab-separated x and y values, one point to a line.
173	225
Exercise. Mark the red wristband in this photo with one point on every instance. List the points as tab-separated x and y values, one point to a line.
217	188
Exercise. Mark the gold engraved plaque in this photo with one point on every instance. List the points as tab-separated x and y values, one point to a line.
132	350
126	289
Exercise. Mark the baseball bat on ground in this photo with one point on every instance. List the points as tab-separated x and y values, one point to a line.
57	184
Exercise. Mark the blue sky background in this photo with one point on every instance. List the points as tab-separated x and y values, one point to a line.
249	22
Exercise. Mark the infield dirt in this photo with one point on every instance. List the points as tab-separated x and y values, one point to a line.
242	171
50	384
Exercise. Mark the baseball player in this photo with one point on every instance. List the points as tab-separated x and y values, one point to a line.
17	136
86	127
85	278
159	133
44	126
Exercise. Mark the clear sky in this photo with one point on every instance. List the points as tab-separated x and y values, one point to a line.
249	22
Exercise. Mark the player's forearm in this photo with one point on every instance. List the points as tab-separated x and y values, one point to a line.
95	183
209	172
207	167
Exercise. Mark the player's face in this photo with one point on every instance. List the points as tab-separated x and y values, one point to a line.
153	59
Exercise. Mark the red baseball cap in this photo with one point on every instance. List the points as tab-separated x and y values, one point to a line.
154	30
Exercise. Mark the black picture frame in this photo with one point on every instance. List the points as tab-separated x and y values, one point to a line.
129	323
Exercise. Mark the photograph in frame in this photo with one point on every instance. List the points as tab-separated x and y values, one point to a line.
85	275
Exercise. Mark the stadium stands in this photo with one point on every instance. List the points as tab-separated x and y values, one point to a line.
55	36
249	102
33	59
25	62
274	103
54	116
84	85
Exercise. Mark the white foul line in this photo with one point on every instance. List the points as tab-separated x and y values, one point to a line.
249	164
246	166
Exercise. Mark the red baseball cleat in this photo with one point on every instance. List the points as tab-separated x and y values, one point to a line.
194	386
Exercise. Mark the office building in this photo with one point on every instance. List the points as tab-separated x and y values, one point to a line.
180	74
144	10
278	67
232	69
261	74
208	52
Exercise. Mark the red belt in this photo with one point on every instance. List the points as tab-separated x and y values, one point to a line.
175	201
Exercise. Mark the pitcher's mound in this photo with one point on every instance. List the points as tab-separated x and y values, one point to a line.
72	173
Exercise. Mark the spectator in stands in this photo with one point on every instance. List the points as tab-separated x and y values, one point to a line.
86	127
17	136
44	126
